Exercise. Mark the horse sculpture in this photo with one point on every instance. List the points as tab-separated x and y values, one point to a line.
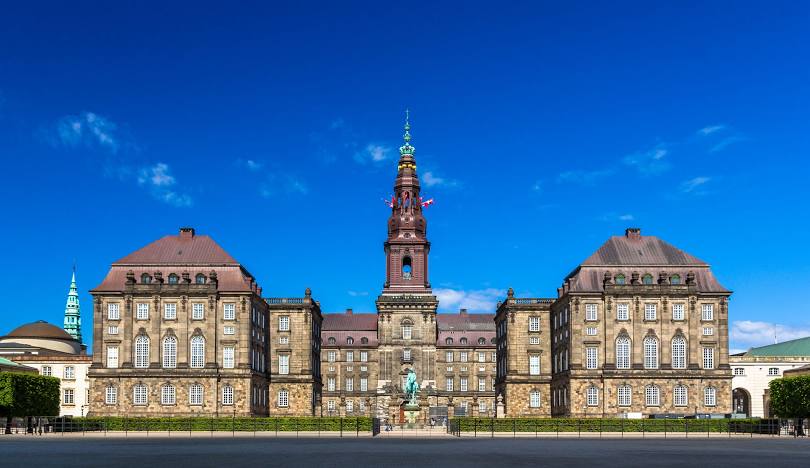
411	387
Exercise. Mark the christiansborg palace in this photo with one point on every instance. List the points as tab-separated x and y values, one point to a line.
182	328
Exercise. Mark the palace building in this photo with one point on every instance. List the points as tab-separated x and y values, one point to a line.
182	328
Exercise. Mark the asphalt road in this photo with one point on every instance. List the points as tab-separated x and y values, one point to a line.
22	451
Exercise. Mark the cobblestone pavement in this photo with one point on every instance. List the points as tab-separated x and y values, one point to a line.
160	451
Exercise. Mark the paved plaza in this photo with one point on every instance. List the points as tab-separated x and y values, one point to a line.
198	451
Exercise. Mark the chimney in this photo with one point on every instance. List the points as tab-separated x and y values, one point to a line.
633	233
186	232
348	311
462	312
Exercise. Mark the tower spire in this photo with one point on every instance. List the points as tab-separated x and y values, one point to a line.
73	320
407	148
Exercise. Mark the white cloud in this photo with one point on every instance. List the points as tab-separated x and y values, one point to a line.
87	129
626	217
538	186
475	300
430	179
358	293
709	129
286	183
692	185
296	185
373	152
650	162
747	333
584	177
159	181
725	142
336	124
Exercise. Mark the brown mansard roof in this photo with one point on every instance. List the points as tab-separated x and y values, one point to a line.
349	321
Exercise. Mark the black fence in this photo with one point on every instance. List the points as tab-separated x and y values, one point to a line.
551	427
332	426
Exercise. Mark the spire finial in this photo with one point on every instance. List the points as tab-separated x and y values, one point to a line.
407	148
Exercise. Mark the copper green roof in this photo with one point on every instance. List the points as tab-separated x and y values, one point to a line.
798	347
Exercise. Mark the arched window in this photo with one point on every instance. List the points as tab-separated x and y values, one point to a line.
407	329
463	341
195	394
448	341
331	340
482	340
364	340
407	268
142	351
169	352
200	278
145	278
623	352
197	352
678	353
710	396
593	396
652	396
620	279
647	279
680	396
675	279
350	340
227	395
173	279
167	395
651	352
625	395
139	394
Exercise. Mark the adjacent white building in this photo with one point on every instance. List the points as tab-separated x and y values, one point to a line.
754	369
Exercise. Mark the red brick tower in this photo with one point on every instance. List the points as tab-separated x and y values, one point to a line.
407	247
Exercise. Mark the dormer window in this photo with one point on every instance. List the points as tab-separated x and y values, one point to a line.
675	279
647	279
331	340
364	340
199	279
463	341
145	278
173	279
448	341
407	268
620	279
350	340
482	340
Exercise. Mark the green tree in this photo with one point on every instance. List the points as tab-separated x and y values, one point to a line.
27	395
790	398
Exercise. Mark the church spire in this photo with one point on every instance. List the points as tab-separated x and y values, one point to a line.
73	320
407	148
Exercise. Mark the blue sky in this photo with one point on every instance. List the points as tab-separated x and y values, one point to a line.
541	129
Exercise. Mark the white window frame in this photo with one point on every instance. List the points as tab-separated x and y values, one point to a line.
227	395
111	395
142	351
624	350
624	395
462	356
168	395
283	399
652	395
773	371
710	396
407	331
363	384
330	384
283	364
741	371
140	395
708	331
47	371
534	399
349	384
592	396
707	312
283	323
331	355
112	330
679	352
170	311
650	312
534	340
680	396
591	312
349	356
68	396
363	356
112	357
142	311
195	394
113	311
449	384
169	352
229	330
708	357
534	364
197	347
229	311
651	352
228	357
678	311
197	311
591	331
448	356
482	384
462	384
591	357
534	324
622	311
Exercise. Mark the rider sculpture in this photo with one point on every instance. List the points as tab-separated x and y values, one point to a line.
411	387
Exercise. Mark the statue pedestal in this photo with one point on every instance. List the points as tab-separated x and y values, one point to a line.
412	416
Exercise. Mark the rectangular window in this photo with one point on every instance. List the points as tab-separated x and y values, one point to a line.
482	357
330	384
67	396
330	406
170	311
284	340
350	406
229	311
449	384
197	311
111	395
139	396
708	358
228	357
652	396
624	395
363	356
70	372
229	330
708	331
112	330
47	371
591	358
227	395
482	407
449	356
349	356
349	384
284	364
707	312
142	311
773	371
482	384
534	324
113	311
363	384
593	396
679	396
407	332
195	395
462	356
406	354
710	396
462	384
591	331
534	340
331	356
534	364
534	399
284	323
739	371
677	312
590	312
622	311
167	395
650	312
494	356
283	399
112	357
